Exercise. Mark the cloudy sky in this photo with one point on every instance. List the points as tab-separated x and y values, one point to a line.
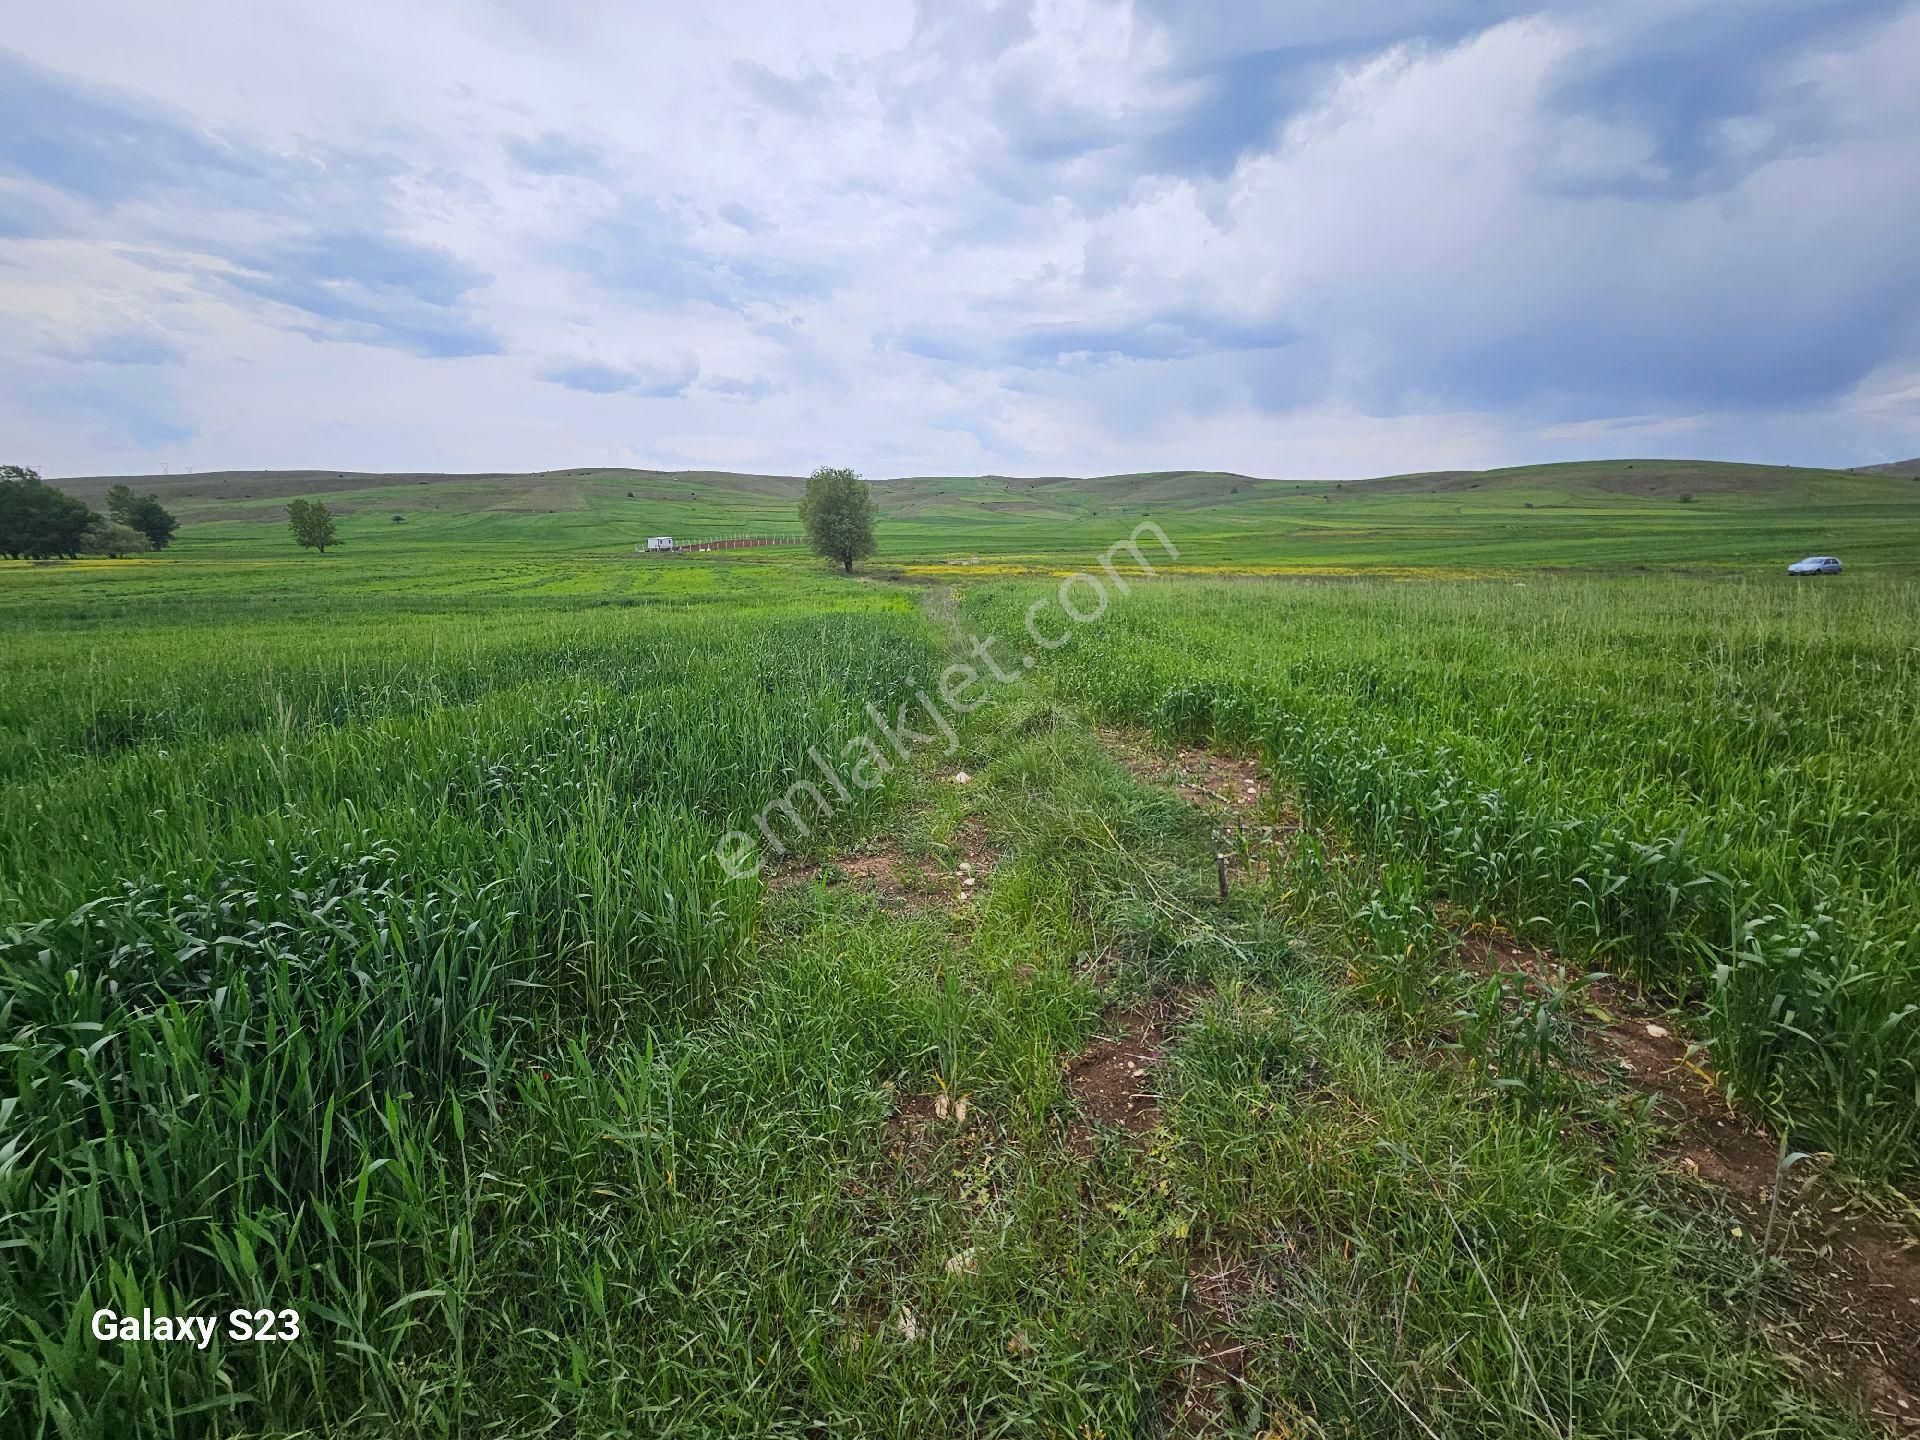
1313	238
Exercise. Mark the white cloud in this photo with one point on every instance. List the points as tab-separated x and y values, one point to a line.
946	239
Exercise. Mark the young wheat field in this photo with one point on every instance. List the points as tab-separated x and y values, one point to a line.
1239	1026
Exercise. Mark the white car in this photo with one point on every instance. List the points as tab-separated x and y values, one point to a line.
1815	565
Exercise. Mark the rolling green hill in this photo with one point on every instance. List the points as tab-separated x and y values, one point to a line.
1598	515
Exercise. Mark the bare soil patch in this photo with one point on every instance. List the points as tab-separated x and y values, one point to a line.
1211	781
936	1143
910	1123
970	857
1112	1080
899	880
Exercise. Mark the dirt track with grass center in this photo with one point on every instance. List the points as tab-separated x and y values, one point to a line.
1169	1170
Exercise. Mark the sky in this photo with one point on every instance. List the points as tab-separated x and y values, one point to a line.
1318	239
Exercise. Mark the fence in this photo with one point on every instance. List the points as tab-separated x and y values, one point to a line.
736	542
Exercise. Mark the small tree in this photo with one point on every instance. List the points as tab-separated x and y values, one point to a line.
144	513
838	513
312	525
113	540
36	520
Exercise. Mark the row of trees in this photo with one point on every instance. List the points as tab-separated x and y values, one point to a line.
39	521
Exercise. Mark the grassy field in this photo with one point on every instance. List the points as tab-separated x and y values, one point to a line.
1602	517
1710	788
364	950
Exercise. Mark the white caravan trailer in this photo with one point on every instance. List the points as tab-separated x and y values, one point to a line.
659	542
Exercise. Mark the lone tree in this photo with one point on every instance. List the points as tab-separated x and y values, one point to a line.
312	525
838	513
144	513
38	522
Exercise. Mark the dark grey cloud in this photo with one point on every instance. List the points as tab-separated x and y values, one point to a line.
757	387
26	217
114	407
1613	288
1666	349
104	145
1240	74
108	146
1167	336
1688	78
1201	34
1243	101
644	249
741	218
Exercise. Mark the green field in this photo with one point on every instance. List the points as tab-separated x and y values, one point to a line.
1605	516
364	950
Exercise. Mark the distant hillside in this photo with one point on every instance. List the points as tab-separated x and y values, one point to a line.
1638	479
1907	469
751	500
206	491
261	494
1605	516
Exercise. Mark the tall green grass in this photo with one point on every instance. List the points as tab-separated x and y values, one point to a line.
375	963
290	919
1714	788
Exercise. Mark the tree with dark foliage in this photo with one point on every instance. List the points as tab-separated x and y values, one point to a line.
38	522
838	513
144	513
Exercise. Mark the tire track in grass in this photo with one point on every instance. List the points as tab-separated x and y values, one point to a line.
1113	1083
1253	1300
1281	1276
1115	1079
1113	1086
1854	1276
